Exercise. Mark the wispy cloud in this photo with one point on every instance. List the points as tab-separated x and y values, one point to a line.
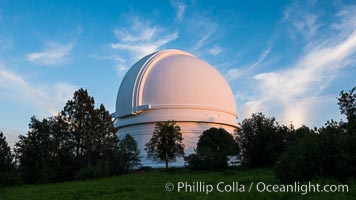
139	39
140	50
53	54
142	38
204	38
44	99
294	93
205	28
138	32
120	69
216	50
235	73
347	21
180	7
48	99
300	20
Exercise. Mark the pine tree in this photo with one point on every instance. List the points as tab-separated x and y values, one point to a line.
6	157
59	148
105	137
93	134
34	152
7	166
79	112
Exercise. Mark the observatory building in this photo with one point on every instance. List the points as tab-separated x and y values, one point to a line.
173	85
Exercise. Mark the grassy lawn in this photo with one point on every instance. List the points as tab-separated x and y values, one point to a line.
151	185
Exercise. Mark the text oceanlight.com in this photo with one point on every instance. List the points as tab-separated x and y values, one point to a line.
202	187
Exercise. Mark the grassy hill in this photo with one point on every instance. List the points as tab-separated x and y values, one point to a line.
151	185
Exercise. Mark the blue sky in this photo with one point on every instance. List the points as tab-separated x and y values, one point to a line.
288	59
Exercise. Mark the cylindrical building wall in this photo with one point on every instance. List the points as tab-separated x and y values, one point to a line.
191	131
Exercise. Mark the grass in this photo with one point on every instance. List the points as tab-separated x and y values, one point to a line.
151	185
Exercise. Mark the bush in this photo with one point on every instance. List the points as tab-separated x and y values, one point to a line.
299	162
193	161
9	178
145	168
330	153
213	147
117	164
262	140
101	169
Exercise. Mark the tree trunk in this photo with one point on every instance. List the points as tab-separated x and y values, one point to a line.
166	164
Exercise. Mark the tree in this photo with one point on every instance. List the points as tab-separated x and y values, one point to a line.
63	160
35	152
46	154
6	157
128	149
103	141
166	143
261	140
213	147
300	161
347	104
78	142
295	135
92	129
327	153
79	112
94	137
6	161
337	151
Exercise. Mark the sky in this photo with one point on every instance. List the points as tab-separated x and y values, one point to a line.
287	59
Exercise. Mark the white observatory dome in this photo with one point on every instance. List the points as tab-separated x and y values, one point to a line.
173	85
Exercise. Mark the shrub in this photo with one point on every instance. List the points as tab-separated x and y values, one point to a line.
330	153
262	140
101	169
213	147
299	162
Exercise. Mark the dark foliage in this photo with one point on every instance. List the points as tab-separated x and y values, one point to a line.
44	155
299	162
93	133
166	143
100	169
347	104
213	147
330	152
80	142
327	153
262	140
129	152
7	167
